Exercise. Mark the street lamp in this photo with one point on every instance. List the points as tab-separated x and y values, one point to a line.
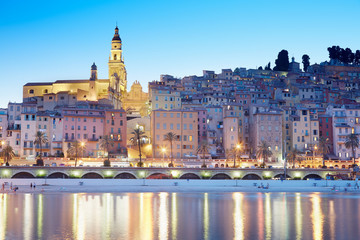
238	147
2	147
163	151
82	144
315	148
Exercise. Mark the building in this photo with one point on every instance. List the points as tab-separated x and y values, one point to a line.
184	123
65	93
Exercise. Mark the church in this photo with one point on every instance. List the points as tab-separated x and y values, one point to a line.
50	96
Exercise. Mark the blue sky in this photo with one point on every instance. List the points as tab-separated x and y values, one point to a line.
53	40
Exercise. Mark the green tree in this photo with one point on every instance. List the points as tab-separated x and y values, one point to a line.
138	135
282	62
76	147
352	141
171	137
324	148
40	139
263	152
267	67
306	61
234	153
203	149
8	154
293	156
357	57
106	143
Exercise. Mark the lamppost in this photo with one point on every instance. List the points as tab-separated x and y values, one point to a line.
82	144
314	153
163	150
2	147
238	147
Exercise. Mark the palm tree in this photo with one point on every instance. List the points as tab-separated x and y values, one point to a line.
74	149
324	147
106	143
293	156
352	141
203	149
8	154
263	152
138	134
171	137
40	139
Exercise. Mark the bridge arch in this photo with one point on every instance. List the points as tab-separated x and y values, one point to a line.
312	176
58	175
252	176
220	176
23	175
190	176
125	175
281	175
158	176
92	175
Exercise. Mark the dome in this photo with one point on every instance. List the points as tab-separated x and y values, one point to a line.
116	35
93	67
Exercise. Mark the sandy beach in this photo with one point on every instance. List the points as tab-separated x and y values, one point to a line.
173	185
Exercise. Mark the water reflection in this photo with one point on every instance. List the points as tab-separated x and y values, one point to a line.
268	215
40	208
28	216
206	216
317	217
178	216
238	216
174	215
298	216
163	216
3	216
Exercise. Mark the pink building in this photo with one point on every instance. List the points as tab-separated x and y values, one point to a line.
115	127
90	125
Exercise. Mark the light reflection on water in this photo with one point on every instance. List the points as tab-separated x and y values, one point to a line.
179	216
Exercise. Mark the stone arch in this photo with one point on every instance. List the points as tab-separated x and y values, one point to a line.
23	175
158	176
58	175
221	176
190	176
125	175
281	175
312	176
92	175
251	176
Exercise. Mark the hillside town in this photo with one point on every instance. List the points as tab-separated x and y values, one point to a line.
309	117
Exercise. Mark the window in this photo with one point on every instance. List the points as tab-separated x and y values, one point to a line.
178	126
190	126
190	115
185	126
31	91
171	126
164	126
158	126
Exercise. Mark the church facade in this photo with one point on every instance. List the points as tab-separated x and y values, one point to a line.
66	93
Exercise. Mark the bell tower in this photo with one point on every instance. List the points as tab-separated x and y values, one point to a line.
117	71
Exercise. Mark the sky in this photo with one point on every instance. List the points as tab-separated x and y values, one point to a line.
45	41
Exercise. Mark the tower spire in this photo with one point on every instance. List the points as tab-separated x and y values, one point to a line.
116	35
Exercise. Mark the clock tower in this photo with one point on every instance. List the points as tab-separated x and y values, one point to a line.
117	72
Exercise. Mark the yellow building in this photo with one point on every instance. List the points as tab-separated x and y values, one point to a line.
67	92
136	101
184	123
